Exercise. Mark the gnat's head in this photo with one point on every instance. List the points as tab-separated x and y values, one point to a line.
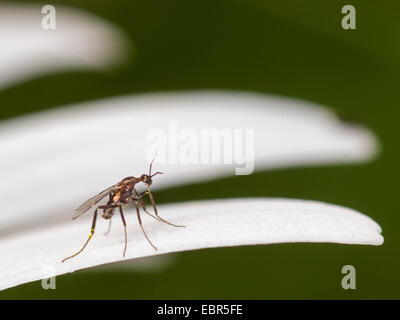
147	178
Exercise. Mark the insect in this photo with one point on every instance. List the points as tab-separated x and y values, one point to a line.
119	195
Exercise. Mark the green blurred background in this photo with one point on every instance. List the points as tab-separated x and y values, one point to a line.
291	48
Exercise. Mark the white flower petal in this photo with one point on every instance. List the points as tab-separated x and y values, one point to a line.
37	254
57	159
80	40
149	264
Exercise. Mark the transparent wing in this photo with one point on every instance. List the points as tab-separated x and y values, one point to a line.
92	201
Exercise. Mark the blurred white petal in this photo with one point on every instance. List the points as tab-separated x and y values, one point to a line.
57	159
37	254
81	40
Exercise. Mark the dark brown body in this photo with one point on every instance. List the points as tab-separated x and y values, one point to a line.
123	194
119	195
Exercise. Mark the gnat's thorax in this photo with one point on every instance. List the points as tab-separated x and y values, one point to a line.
122	197
127	184
129	181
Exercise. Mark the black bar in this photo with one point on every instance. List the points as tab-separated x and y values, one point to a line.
200	309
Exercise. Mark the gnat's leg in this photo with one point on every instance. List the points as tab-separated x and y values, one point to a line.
109	224
109	228
138	197
90	236
157	216
124	223
109	206
141	226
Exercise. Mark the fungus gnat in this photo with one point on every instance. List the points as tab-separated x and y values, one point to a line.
119	195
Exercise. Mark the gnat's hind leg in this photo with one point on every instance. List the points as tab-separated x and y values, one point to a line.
90	236
109	228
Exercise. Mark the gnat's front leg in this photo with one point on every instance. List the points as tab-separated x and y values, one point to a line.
139	197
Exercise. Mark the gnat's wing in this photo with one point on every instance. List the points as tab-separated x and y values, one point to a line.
92	201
